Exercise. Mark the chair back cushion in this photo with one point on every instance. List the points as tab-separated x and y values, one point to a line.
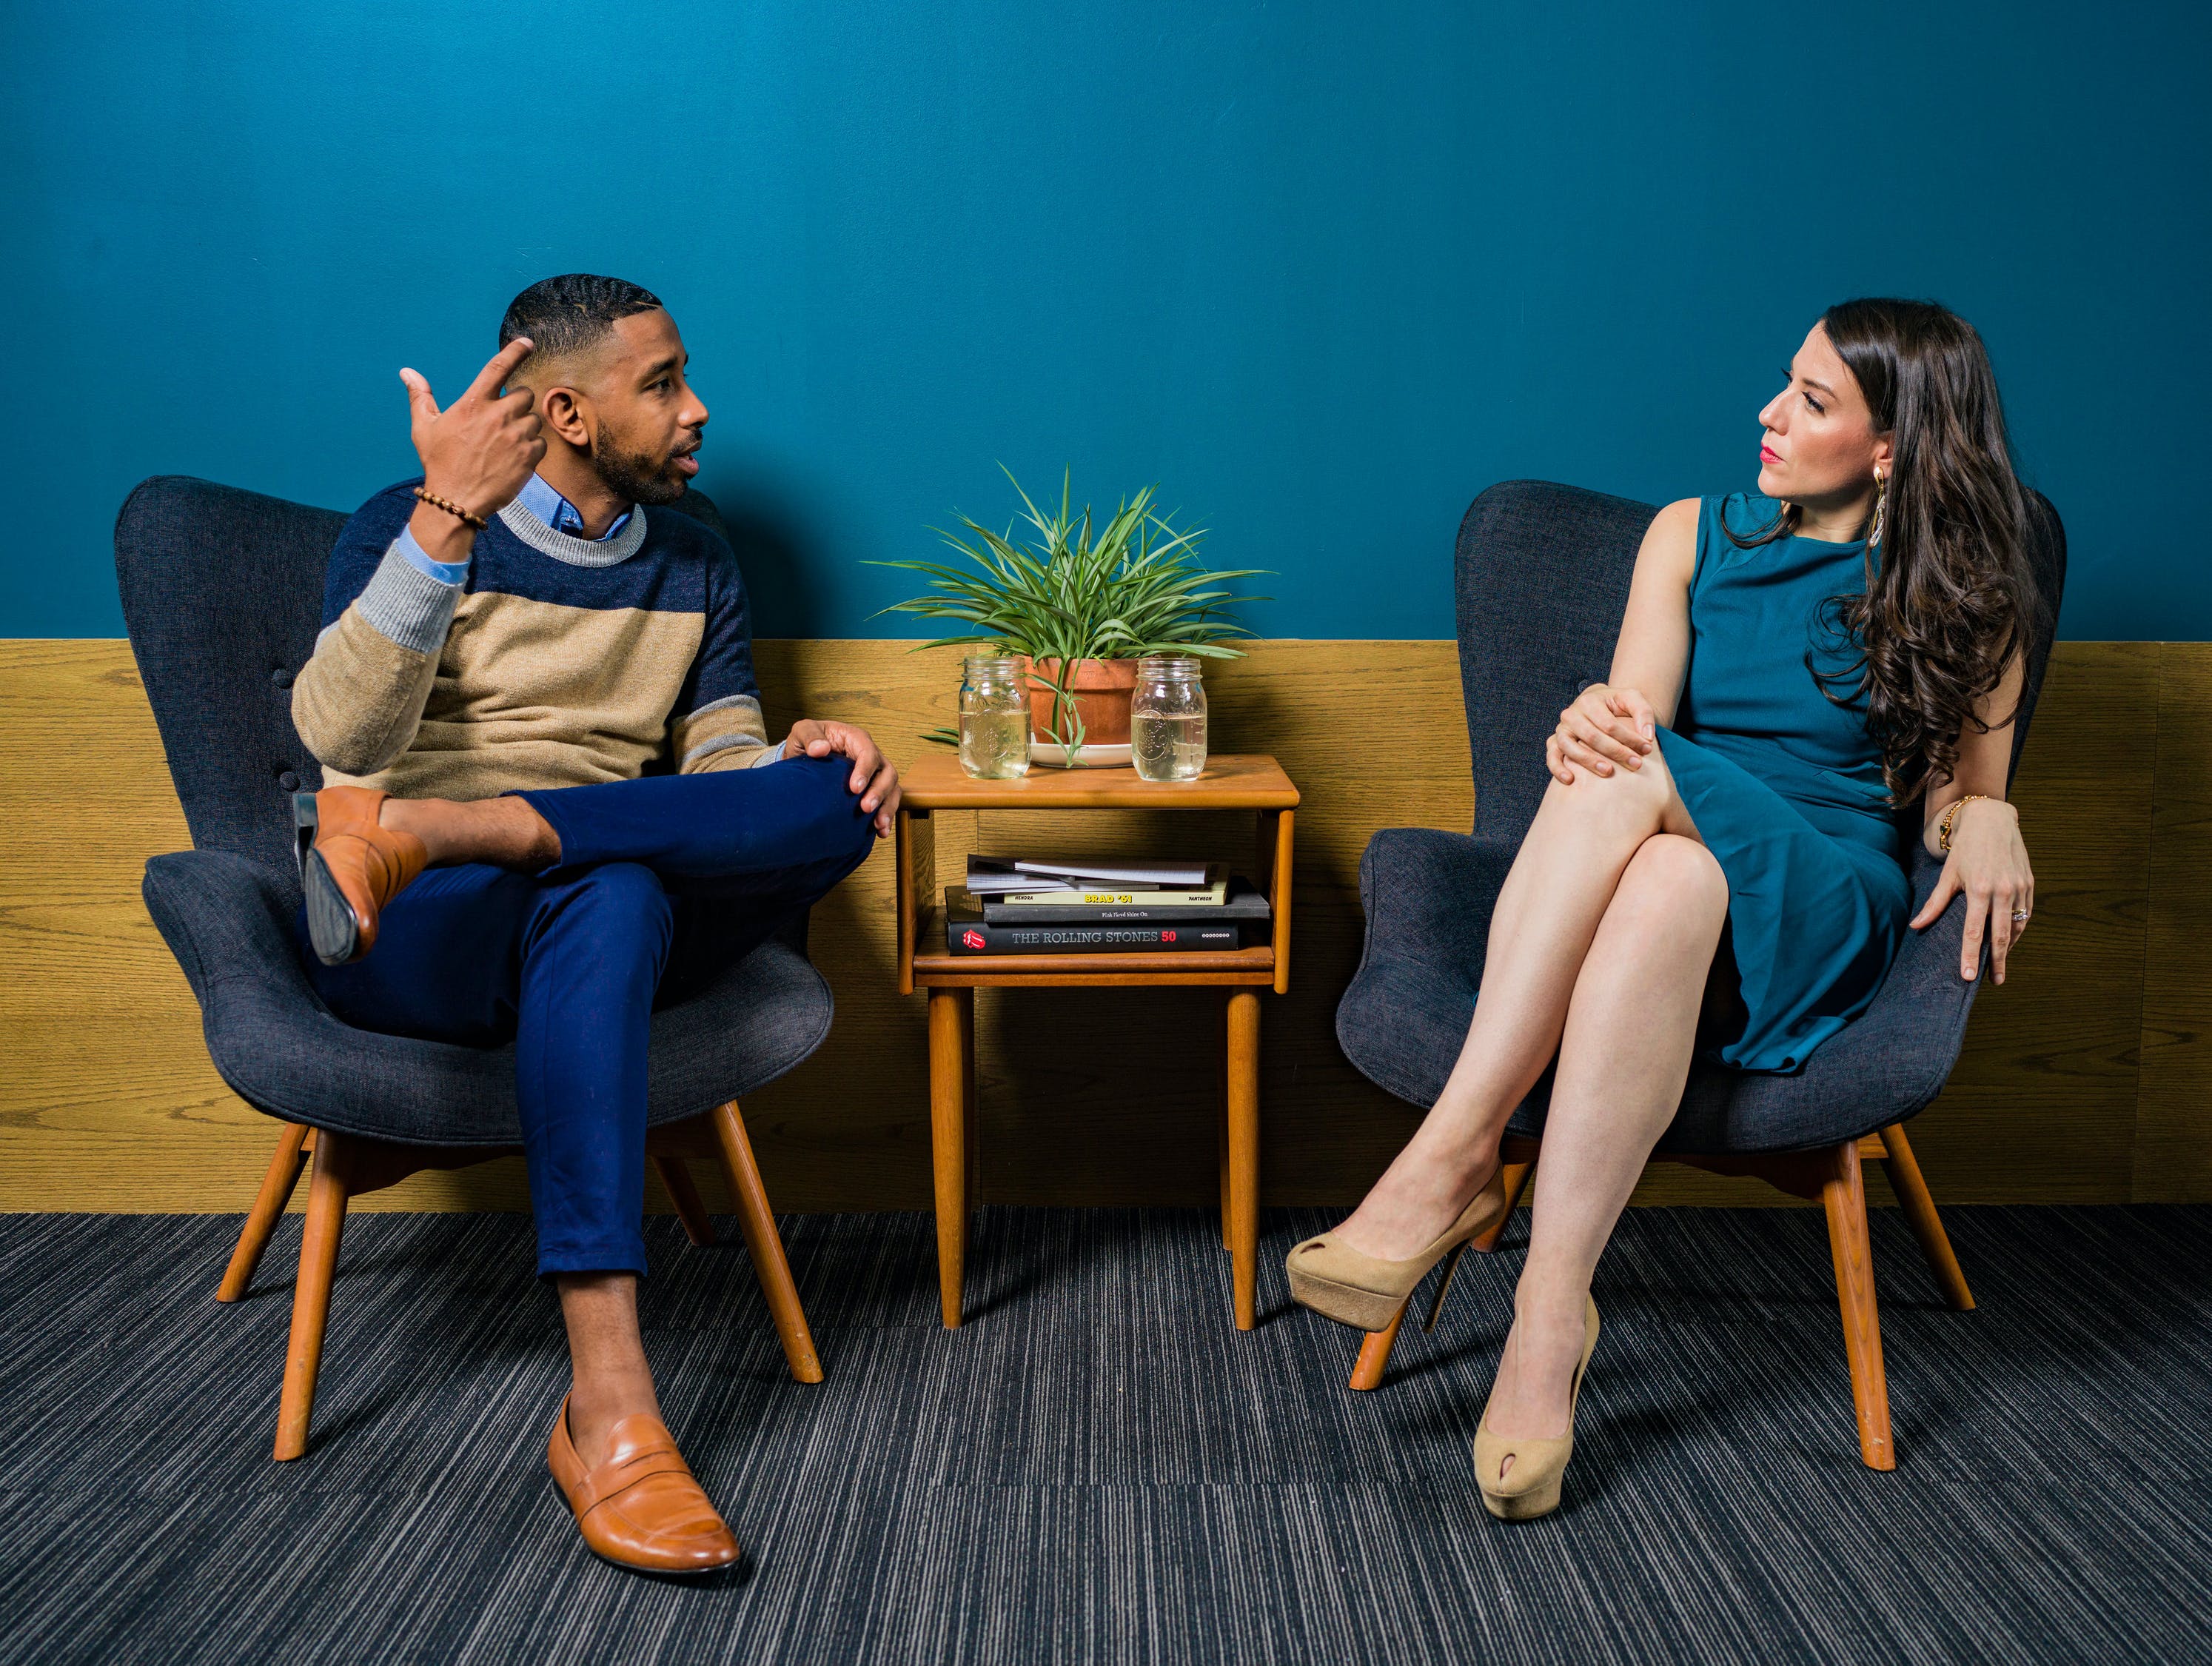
222	594
1543	575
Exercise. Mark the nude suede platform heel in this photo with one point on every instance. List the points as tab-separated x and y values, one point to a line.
350	867
1339	1283
1531	1488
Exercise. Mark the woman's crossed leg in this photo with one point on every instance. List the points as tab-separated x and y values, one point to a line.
1598	949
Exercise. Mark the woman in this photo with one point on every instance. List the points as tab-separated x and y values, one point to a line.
1790	669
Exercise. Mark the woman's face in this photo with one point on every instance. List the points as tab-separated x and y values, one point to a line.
1820	445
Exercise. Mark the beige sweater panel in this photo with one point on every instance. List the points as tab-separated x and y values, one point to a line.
531	693
359	700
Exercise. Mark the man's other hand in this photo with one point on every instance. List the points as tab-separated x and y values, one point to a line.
874	776
480	450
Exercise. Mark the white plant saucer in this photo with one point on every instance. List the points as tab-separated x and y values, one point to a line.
1052	755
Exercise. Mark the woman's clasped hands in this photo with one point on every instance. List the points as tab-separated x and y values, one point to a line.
1605	725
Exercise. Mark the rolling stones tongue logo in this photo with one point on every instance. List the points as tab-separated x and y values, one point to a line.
973	939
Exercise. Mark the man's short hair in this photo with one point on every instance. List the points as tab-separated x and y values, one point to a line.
563	315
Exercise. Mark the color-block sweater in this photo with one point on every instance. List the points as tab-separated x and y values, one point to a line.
558	661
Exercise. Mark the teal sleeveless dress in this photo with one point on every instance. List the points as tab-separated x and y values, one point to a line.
1785	787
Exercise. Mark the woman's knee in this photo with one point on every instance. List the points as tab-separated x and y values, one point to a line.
1675	875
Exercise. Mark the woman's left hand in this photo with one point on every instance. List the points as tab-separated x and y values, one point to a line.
1988	865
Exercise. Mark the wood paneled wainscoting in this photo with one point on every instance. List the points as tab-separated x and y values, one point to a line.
2086	1078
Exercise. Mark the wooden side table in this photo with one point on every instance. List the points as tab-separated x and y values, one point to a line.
1253	782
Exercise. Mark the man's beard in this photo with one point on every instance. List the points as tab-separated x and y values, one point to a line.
636	476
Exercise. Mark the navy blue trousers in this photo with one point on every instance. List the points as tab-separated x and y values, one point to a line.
662	883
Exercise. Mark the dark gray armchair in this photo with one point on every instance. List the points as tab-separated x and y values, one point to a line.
223	595
1542	577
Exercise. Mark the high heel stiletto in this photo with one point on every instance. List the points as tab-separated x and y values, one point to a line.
1531	1487
1339	1283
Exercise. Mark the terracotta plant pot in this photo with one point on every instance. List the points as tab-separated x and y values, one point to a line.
1102	690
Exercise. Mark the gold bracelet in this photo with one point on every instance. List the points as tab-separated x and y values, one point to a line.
477	522
1943	827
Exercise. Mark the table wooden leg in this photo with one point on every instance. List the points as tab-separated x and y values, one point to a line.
1243	1118
950	1013
972	1167
1221	1136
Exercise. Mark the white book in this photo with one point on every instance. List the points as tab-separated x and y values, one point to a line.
1175	874
1012	884
1211	894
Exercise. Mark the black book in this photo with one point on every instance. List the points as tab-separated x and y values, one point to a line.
1246	905
967	931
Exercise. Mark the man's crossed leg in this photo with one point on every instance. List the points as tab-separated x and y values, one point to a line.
560	920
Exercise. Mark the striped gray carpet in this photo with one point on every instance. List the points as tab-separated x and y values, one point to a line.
1098	1468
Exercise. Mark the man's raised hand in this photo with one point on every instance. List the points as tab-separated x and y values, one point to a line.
480	449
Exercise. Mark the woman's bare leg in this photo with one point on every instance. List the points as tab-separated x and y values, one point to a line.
1548	912
1626	1054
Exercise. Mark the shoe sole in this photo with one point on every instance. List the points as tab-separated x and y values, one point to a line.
331	926
1362	1309
1525	1507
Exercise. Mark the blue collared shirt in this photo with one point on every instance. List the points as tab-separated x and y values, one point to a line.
540	499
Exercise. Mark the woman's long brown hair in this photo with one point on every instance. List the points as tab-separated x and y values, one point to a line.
1950	598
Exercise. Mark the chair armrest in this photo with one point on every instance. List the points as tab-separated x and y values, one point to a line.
1899	1053
1428	896
225	917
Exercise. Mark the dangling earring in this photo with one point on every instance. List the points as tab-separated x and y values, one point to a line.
1881	502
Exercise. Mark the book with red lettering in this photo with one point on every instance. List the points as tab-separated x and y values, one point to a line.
967	931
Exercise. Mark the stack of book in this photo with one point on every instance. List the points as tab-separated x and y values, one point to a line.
1021	907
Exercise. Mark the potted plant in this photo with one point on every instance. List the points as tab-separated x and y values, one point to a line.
1079	604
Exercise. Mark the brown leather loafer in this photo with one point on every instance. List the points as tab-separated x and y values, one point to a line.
641	1509
349	867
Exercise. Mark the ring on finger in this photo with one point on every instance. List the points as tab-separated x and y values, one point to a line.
2019	916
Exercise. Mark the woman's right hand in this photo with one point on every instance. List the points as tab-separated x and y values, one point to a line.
1605	726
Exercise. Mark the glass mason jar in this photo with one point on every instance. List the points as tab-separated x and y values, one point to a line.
1167	718
994	718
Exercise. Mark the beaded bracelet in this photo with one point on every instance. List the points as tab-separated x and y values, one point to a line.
451	509
1943	827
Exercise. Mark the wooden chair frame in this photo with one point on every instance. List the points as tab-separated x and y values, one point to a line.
347	1167
1833	1177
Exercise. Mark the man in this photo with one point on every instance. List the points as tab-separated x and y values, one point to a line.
550	802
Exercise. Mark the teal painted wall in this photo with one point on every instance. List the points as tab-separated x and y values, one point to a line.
1323	271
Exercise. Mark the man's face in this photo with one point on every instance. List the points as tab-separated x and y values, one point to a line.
646	422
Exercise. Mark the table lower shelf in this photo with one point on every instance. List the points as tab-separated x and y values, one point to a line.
943	970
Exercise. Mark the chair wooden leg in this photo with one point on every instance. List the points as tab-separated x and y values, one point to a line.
311	1296
276	1187
1911	1188
1374	1354
1844	1197
1516	1182
691	1208
1374	1351
1245	1153
757	1222
948	1143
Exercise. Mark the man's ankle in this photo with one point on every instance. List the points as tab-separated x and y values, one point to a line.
594	1410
